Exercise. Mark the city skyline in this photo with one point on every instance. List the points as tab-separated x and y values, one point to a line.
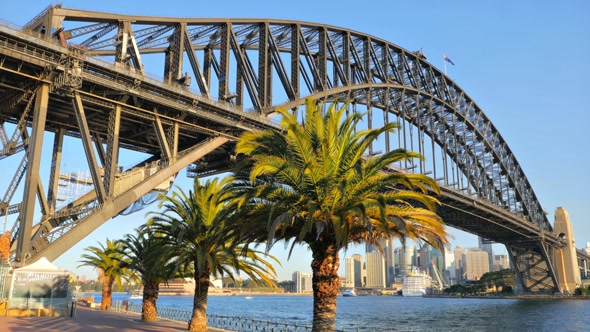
530	94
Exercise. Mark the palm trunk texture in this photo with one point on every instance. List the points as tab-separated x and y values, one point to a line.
325	287
149	311
198	320
107	293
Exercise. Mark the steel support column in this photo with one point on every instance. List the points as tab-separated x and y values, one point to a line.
58	142
113	208
295	61
32	179
172	137
222	93
87	143
160	134
264	68
112	150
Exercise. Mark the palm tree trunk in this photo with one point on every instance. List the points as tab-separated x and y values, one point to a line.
198	320
325	283
107	293
149	311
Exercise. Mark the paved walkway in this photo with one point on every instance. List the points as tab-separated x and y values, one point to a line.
88	319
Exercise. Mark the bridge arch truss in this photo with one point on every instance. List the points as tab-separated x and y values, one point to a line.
243	69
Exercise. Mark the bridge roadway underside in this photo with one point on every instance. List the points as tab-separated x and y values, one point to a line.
478	217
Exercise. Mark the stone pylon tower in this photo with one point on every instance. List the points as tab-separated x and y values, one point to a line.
566	262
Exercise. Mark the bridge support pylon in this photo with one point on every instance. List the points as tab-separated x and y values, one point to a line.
566	262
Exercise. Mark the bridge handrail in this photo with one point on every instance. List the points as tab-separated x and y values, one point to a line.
10	24
45	56
187	93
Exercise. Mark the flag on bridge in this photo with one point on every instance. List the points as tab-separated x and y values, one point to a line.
447	59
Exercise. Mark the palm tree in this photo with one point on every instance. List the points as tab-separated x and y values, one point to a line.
312	184
113	267
146	254
200	230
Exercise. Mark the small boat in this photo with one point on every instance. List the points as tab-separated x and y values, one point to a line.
349	293
136	295
248	297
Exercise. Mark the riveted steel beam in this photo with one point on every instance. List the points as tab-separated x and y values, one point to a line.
88	149
94	220
58	142
111	167
32	179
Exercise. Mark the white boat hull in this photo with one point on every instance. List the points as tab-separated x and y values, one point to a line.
412	294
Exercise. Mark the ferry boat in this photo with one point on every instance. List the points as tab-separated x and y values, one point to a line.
349	293
416	284
136	295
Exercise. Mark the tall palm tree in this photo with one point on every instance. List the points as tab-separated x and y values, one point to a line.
146	253
312	184
113	266
199	227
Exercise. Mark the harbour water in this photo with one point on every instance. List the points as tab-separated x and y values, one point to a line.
395	313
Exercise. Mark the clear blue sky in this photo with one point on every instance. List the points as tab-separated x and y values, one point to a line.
525	63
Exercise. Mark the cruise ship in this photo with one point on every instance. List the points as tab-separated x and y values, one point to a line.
416	284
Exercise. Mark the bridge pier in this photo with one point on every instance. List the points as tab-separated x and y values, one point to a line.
566	261
545	267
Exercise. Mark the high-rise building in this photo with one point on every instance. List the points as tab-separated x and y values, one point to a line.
354	271
349	272
429	256
389	262
500	262
388	247
396	265
476	263
359	271
302	282
450	272
486	246
584	268
375	270
459	264
370	247
407	259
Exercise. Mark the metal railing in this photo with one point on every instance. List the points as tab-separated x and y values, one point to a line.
226	322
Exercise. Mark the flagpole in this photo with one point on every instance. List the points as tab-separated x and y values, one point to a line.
445	64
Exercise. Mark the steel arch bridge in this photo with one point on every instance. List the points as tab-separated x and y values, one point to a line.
82	75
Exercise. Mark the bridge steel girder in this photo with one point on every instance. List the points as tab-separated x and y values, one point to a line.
32	179
88	149
534	269
107	211
486	190
99	103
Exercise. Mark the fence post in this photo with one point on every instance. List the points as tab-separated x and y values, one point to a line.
73	308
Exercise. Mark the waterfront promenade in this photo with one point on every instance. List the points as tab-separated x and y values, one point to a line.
88	319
